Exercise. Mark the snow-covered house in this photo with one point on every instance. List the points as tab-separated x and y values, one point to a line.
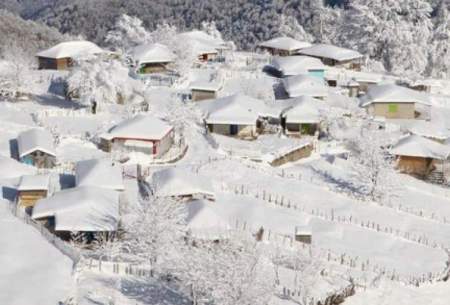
305	85
203	90
62	55
237	115
142	133
419	156
152	58
203	45
393	102
99	173
182	183
283	46
303	118
84	209
31	188
335	56
203	222
36	147
295	65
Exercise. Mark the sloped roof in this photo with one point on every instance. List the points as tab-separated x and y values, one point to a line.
390	93
284	43
306	110
153	53
428	129
416	146
204	222
140	127
305	85
83	208
331	52
34	182
294	65
11	168
99	173
201	42
35	139
71	49
236	109
181	182
205	79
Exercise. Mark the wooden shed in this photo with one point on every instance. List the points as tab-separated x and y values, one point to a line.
152	58
419	156
32	188
62	55
303	234
292	154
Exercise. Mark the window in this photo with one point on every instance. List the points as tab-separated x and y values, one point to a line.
392	108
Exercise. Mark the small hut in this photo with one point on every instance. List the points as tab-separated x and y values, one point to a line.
283	46
419	156
63	55
393	102
204	90
303	234
142	133
152	58
36	147
32	188
335	56
295	65
303	118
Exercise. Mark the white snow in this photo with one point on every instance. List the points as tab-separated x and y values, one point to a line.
331	52
284	43
11	168
140	127
100	173
34	182
153	53
390	93
71	49
204	222
85	208
306	110
305	85
35	139
295	65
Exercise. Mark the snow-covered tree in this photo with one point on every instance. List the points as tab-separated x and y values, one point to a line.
128	32
289	26
372	164
15	68
210	28
154	232
103	82
440	52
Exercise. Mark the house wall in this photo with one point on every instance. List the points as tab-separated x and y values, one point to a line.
243	131
153	68
200	95
415	166
165	144
278	52
404	110
293	156
47	63
29	198
39	159
299	129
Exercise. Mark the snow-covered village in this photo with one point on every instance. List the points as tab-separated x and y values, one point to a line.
238	153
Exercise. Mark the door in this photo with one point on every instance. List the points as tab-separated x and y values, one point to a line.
234	129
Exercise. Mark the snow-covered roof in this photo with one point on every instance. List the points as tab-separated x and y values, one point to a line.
306	85
205	85
33	140
331	52
153	53
99	173
284	43
201	42
174	182
417	146
34	182
11	168
294	65
204	222
390	93
237	109
140	127
85	208
428	129
305	110
71	49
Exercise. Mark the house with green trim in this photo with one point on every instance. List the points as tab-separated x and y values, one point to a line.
394	102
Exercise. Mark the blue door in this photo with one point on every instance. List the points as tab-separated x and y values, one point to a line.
27	160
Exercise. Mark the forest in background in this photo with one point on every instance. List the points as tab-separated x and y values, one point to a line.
410	36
